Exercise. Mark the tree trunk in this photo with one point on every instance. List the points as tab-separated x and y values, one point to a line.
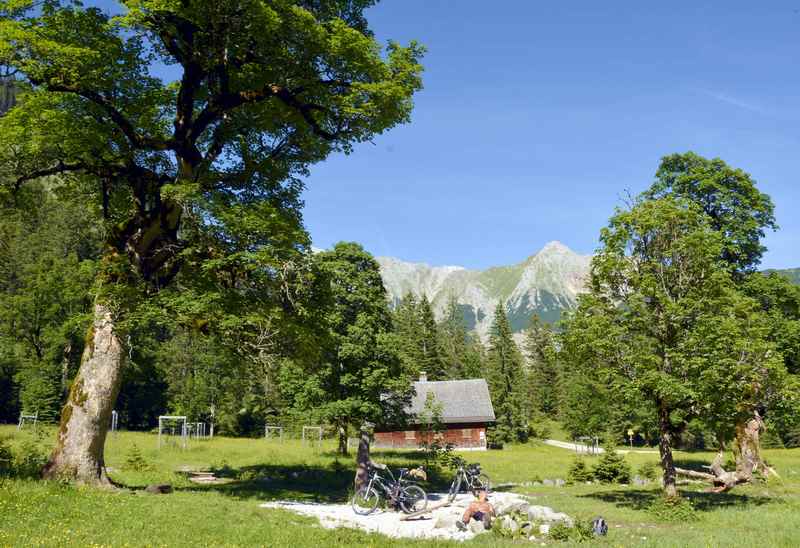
362	457
665	449
78	455
747	449
342	440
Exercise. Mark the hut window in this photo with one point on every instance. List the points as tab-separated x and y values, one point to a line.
466	433
411	435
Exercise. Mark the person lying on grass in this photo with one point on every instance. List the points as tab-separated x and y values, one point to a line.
479	510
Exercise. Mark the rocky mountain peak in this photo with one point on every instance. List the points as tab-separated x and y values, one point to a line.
546	283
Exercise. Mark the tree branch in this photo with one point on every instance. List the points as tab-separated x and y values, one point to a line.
137	141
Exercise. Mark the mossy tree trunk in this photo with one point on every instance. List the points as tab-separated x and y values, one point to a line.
665	450
362	457
78	455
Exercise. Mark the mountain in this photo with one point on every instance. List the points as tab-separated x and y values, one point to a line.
792	274
545	283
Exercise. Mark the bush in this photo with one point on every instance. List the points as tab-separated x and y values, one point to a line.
771	440
581	532
6	459
135	461
29	460
649	471
612	468
674	509
579	472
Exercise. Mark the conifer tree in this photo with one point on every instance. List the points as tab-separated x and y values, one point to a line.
461	351
542	369
506	383
405	321
427	339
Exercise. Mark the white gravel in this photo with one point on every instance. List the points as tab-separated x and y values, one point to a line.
388	523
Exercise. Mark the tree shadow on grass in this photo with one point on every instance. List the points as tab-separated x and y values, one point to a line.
701	501
322	484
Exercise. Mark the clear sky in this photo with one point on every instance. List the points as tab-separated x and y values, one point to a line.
537	116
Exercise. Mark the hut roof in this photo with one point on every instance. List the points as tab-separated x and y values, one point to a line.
462	401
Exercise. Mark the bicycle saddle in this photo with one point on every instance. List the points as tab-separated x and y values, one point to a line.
379	466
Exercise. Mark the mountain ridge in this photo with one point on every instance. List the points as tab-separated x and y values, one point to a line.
546	283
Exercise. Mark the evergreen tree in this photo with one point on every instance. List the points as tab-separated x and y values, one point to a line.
540	353
405	320
454	342
506	378
428	342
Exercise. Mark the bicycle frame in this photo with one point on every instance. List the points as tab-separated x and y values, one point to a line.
391	488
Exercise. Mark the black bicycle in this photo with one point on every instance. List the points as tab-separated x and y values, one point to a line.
400	493
469	477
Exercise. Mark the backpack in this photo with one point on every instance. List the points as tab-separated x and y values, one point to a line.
599	527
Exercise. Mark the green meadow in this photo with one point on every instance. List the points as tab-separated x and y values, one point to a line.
36	513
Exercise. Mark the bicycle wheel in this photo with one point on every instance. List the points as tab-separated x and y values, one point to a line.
413	499
365	501
455	487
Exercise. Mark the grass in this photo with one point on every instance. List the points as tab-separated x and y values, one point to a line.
36	513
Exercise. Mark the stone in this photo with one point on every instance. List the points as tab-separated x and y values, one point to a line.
544	513
560	483
520	506
537	483
159	489
548	482
639	481
476	527
445	521
544	529
510	525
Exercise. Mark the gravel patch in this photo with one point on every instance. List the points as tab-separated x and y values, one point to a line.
440	523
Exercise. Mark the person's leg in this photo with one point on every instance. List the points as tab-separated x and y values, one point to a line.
468	513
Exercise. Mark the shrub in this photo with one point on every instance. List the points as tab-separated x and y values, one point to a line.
673	509
649	471
580	532
771	440
612	468
135	461
579	472
31	456
6	459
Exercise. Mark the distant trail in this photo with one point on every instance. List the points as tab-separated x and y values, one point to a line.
585	449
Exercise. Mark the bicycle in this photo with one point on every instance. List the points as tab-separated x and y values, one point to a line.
468	475
409	497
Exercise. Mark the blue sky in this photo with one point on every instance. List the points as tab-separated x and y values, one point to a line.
536	118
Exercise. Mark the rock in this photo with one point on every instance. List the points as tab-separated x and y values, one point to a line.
476	527
519	506
509	524
544	529
159	489
445	522
560	483
639	481
548	482
537	483
543	513
501	508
